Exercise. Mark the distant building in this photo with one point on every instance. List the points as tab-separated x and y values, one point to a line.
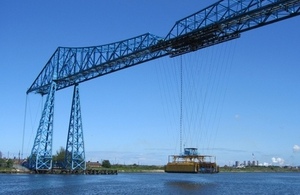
0	154
244	163
93	164
237	163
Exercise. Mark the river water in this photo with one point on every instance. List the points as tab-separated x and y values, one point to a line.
152	183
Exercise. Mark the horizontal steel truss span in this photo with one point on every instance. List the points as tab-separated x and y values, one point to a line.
234	16
69	66
222	21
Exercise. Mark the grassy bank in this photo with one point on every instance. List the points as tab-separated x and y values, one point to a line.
135	168
153	168
9	170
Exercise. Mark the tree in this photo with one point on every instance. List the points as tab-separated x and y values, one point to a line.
10	163
59	158
2	163
106	164
6	163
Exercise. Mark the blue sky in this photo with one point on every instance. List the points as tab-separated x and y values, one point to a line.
251	85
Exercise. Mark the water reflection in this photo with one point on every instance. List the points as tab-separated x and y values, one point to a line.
148	183
185	185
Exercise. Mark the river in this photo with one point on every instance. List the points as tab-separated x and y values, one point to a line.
152	183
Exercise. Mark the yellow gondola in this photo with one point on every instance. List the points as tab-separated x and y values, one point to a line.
191	162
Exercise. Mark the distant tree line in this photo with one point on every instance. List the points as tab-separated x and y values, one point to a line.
6	163
106	164
59	159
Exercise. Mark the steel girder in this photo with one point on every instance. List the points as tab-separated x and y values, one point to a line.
220	22
75	154
41	153
236	16
75	65
225	20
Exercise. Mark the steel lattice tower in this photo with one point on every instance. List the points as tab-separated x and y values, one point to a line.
220	22
75	154
41	154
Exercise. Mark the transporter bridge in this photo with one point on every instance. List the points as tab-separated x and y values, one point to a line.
69	66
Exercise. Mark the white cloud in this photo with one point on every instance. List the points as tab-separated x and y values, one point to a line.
278	160
265	164
296	148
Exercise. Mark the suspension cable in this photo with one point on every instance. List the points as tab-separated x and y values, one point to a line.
24	125
181	82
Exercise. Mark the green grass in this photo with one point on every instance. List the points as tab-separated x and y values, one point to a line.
7	170
134	168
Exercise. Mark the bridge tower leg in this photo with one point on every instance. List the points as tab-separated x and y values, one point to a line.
75	154
41	153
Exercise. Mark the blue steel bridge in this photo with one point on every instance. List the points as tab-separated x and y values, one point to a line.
69	66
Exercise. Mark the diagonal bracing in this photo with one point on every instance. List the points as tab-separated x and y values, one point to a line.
41	154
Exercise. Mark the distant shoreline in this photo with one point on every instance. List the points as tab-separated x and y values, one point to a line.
252	169
160	169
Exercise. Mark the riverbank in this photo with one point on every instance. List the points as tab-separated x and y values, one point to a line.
159	169
145	168
277	169
16	168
